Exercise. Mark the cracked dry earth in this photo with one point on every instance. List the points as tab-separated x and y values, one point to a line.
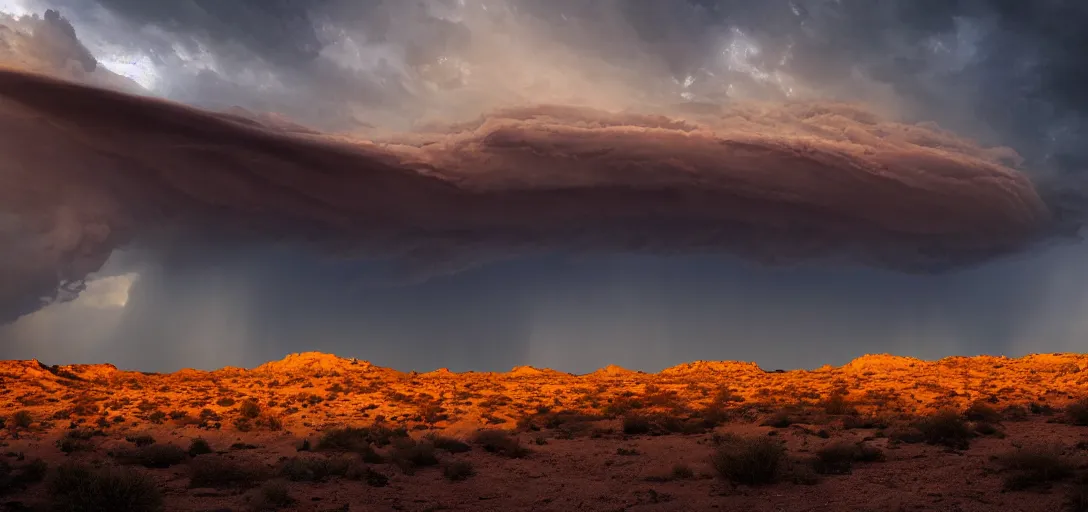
611	440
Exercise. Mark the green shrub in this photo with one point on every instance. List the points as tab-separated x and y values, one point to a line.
750	461
82	488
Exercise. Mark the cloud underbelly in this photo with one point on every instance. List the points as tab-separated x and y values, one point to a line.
88	170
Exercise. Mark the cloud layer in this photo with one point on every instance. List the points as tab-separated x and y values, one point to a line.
87	170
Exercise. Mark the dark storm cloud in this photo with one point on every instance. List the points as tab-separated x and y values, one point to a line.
87	170
1003	70
901	195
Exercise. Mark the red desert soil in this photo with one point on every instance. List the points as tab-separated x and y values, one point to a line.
960	434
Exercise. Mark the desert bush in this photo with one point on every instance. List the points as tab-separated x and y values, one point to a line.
1015	413
449	444
141	440
409	455
981	411
313	469
249	409
218	472
458	470
22	419
82	488
839	458
76	441
800	472
988	429
836	405
750	461
713	415
199	446
863	422
225	402
16	478
500	442
1076	413
682	472
271	496
1034	466
779	420
1076	499
243	424
946	428
156	456
909	434
636	424
270	422
354	439
362	472
657	424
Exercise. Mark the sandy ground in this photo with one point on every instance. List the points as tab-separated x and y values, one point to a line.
583	463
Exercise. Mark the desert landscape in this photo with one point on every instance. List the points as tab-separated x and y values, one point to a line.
318	432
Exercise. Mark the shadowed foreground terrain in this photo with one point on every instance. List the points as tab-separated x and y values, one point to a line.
318	432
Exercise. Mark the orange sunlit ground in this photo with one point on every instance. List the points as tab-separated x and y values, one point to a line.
317	432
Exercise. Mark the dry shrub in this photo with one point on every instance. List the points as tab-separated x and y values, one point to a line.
1037	466
500	442
82	488
748	460
839	458
220	472
458	470
946	428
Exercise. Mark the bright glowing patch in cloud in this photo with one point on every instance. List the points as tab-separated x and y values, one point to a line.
137	68
15	8
108	292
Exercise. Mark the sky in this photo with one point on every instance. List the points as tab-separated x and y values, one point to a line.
694	186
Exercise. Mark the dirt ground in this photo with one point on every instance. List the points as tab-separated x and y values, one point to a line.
586	451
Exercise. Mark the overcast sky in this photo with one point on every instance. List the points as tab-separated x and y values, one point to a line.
1002	72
